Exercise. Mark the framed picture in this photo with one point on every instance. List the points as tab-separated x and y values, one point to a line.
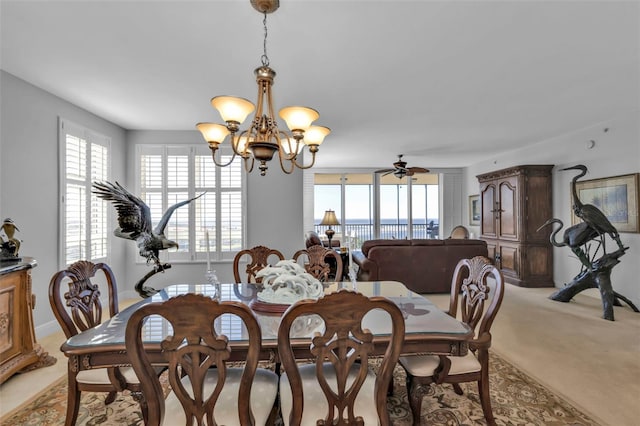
616	197
474	210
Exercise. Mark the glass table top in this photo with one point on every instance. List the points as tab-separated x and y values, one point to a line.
421	315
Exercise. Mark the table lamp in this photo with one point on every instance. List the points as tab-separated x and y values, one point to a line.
330	220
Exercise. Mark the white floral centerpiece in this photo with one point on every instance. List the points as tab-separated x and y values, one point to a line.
287	282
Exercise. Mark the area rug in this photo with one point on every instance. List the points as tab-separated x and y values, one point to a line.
517	400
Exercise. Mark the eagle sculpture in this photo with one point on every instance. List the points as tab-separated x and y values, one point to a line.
134	220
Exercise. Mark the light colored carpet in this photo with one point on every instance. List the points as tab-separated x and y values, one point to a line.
517	400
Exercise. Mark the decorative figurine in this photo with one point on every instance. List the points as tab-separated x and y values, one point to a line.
287	282
11	246
134	218
595	272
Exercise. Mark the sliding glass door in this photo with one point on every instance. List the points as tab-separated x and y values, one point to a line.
370	206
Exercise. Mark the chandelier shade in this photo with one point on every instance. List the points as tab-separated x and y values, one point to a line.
315	135
298	118
263	139
233	109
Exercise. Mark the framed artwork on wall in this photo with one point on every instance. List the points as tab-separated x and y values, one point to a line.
474	210
616	197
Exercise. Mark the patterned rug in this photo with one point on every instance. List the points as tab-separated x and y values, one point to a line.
517	400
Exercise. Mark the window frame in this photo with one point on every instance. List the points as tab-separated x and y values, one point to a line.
91	138
309	200
192	255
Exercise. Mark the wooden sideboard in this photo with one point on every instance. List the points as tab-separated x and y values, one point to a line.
515	202
18	348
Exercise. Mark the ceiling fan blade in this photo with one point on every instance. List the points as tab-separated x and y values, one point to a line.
384	171
418	170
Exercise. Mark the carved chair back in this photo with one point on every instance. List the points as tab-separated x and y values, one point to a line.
459	232
316	261
258	258
197	357
80	308
472	292
340	357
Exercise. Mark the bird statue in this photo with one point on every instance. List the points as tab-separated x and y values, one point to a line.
590	214
12	245
573	237
134	220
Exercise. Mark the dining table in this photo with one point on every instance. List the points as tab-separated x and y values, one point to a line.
428	329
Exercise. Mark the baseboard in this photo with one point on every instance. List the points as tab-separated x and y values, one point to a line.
47	329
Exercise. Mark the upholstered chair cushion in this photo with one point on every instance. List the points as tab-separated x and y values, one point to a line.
425	365
99	376
263	395
315	402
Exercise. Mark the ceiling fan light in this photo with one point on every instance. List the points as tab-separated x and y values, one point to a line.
298	118
232	108
315	135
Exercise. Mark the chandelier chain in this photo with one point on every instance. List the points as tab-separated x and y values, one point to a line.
264	57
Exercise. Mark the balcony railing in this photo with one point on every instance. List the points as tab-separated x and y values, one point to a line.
364	232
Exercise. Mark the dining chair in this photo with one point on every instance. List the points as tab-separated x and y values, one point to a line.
205	387
338	387
79	309
258	258
317	263
459	232
479	299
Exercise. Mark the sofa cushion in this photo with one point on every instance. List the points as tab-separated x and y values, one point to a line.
431	242
376	243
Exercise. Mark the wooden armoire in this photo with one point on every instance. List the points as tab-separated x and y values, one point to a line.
515	203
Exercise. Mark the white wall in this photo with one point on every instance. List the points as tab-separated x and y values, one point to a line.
29	192
616	152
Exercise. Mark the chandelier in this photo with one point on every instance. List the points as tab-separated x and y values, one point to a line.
263	138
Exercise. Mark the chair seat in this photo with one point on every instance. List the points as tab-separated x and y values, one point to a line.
99	376
425	365
315	402
263	396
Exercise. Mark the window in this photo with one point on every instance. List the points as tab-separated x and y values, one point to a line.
84	158
169	174
407	209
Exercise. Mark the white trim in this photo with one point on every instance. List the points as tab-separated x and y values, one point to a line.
67	127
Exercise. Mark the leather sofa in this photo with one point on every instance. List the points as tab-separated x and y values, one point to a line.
423	266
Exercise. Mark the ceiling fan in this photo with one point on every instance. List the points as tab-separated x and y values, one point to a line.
401	170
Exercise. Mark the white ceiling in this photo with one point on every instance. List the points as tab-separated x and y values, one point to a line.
447	83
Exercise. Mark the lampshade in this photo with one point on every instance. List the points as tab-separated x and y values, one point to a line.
243	141
232	108
315	135
329	218
298	118
213	132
